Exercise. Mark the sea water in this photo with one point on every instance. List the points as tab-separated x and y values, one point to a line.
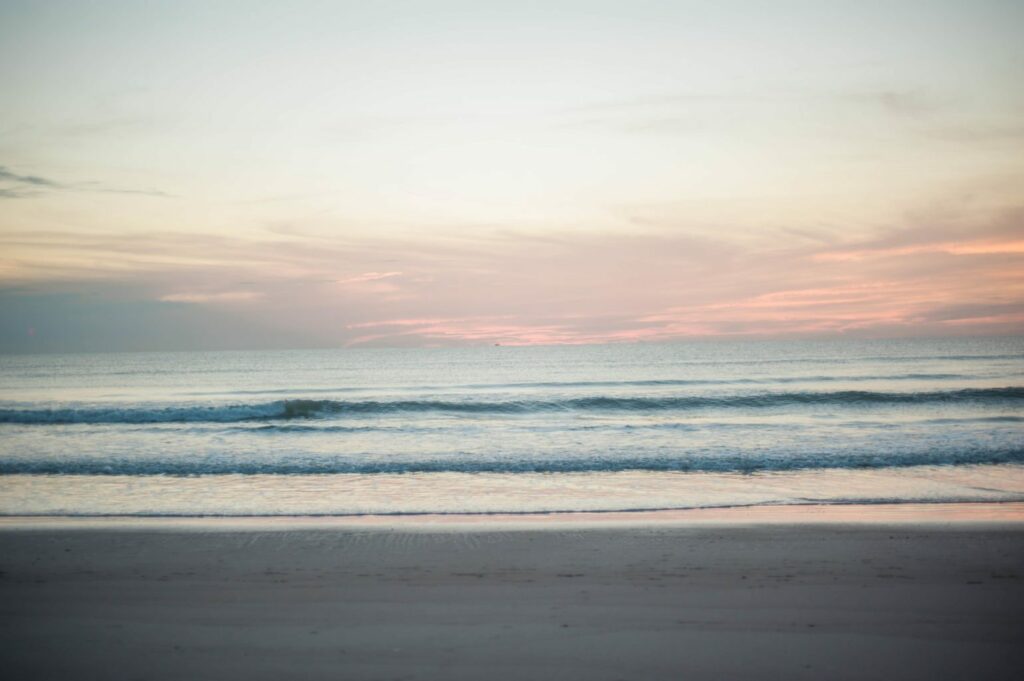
512	429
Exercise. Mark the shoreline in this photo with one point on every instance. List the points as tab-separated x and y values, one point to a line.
916	513
479	495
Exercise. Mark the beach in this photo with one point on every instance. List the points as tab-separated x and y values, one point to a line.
737	510
839	592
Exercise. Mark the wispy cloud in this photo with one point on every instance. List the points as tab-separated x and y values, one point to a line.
15	185
23	185
219	297
906	103
367	277
511	287
975	132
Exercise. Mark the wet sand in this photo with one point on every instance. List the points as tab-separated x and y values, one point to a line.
744	594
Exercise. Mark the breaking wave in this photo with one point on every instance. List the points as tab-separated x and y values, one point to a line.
682	461
299	409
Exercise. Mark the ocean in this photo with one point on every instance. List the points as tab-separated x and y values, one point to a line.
512	429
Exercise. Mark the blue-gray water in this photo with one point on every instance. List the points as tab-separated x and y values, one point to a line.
512	429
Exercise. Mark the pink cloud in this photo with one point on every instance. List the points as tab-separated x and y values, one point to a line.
568	288
951	248
220	297
368	277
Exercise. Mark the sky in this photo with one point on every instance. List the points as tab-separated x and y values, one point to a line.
229	175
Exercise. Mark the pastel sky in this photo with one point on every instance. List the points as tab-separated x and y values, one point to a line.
205	175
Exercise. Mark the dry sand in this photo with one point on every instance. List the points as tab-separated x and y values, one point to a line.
697	597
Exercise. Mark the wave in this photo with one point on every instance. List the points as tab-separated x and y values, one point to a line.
770	380
219	514
696	462
308	408
657	382
434	428
939	357
248	368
